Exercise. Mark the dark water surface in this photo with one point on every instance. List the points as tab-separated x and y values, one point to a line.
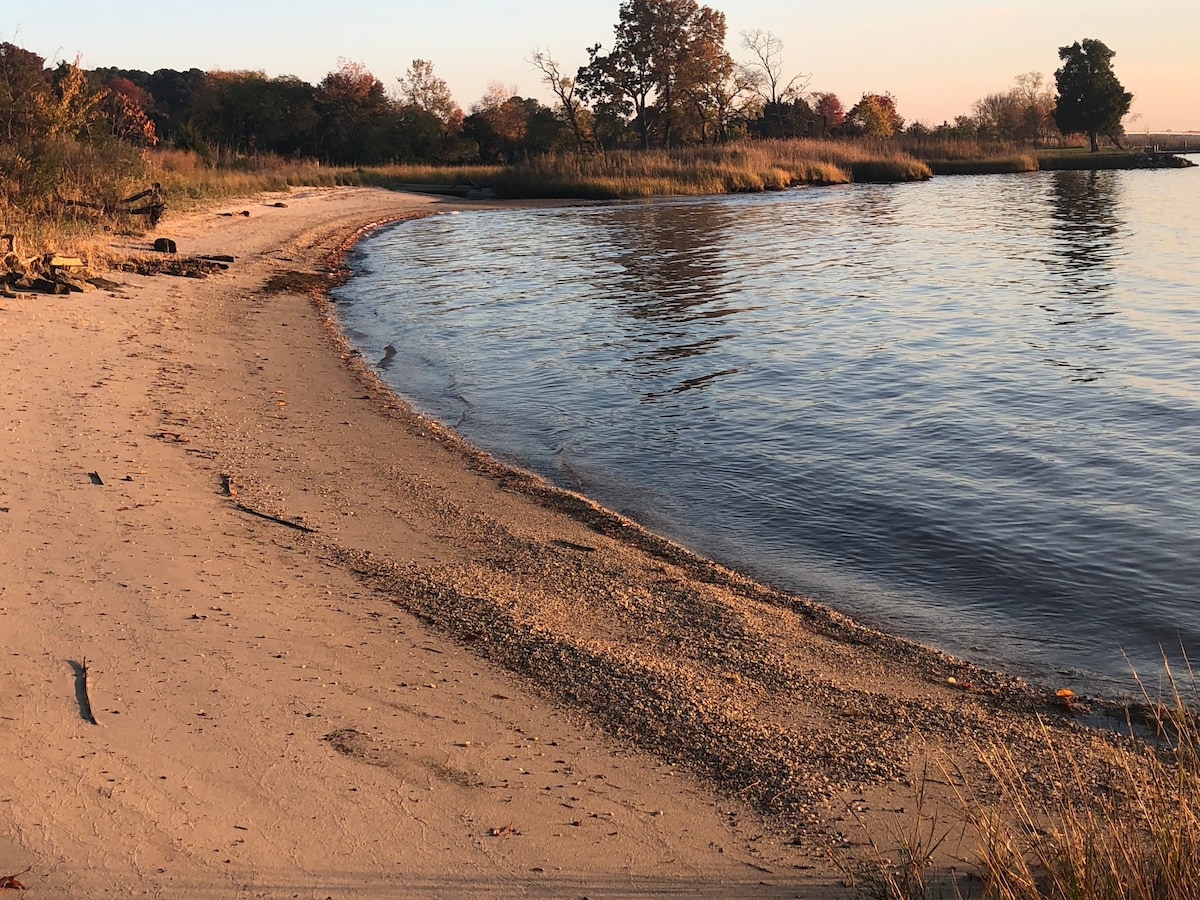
966	411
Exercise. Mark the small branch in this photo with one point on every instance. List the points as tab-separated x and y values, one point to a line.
278	521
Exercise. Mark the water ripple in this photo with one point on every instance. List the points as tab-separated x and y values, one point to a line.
967	410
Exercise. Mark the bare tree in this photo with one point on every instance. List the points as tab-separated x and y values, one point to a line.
570	102
767	66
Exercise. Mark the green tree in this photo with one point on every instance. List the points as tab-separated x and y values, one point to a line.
1090	98
650	73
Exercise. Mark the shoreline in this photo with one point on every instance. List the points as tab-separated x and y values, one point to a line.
332	646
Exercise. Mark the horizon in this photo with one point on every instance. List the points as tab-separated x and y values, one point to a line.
951	55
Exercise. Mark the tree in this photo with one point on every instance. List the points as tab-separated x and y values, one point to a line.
708	89
352	106
650	73
500	123
1090	98
420	88
767	67
125	106
24	90
874	115
1023	113
571	106
828	110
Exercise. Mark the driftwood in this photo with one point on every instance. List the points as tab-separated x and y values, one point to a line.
149	203
82	697
276	519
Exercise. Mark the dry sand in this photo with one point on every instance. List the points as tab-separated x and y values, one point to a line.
450	680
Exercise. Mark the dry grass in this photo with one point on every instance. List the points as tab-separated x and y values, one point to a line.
712	169
1140	841
1127	828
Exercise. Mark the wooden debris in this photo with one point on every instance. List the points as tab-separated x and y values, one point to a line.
276	519
188	267
149	203
82	692
503	831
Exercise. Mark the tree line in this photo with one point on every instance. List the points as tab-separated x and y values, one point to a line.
665	79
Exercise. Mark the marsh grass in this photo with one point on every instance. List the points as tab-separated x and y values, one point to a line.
712	169
190	181
1139	841
957	156
1124	827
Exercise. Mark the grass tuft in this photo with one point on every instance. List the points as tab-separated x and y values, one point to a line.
1140	840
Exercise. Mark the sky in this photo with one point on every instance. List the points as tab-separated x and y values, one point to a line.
937	57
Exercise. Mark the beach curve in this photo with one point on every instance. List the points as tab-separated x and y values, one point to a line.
332	649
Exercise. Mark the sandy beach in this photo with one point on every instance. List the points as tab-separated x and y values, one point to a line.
331	651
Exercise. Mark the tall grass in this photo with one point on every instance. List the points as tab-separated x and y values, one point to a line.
711	169
36	179
962	156
187	180
1140	841
108	173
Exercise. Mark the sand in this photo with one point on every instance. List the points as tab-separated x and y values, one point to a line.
333	652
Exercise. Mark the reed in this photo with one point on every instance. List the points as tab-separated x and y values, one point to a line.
708	169
1124	827
1140	841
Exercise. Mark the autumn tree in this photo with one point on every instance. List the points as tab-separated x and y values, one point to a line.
124	106
707	81
1090	98
1023	113
23	93
875	116
498	123
352	107
649	74
74	106
421	89
59	138
827	111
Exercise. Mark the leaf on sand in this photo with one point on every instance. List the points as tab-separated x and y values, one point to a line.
10	882
505	830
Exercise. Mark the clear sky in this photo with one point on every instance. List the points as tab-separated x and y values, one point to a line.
936	56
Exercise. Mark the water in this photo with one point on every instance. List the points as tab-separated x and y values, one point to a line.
966	411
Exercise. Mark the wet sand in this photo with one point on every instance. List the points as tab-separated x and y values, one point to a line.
331	651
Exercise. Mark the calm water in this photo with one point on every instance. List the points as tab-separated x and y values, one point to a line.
967	411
